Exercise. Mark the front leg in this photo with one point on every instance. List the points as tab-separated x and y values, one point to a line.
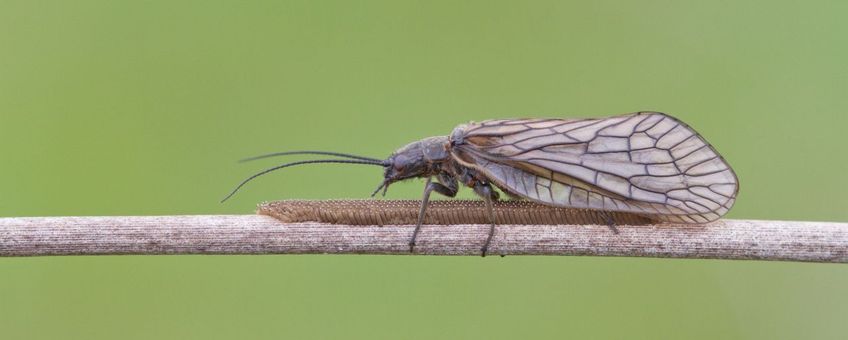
448	190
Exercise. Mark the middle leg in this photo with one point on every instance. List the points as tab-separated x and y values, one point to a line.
489	196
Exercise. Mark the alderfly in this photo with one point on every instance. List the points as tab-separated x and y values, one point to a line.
647	163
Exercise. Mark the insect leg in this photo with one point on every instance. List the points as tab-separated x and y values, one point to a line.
489	195
610	222
449	190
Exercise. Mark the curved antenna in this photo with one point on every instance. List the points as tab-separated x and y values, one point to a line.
326	153
278	167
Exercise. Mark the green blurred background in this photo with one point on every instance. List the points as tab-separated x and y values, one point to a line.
142	107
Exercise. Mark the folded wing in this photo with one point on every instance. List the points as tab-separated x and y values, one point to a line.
646	162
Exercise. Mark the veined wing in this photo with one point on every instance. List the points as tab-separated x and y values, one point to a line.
645	162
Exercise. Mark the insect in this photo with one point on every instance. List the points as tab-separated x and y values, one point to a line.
647	163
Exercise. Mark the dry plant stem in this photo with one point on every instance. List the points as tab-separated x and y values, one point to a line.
256	234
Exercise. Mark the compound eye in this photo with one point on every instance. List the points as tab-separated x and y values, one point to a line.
399	163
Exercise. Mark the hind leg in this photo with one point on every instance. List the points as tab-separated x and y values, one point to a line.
609	220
